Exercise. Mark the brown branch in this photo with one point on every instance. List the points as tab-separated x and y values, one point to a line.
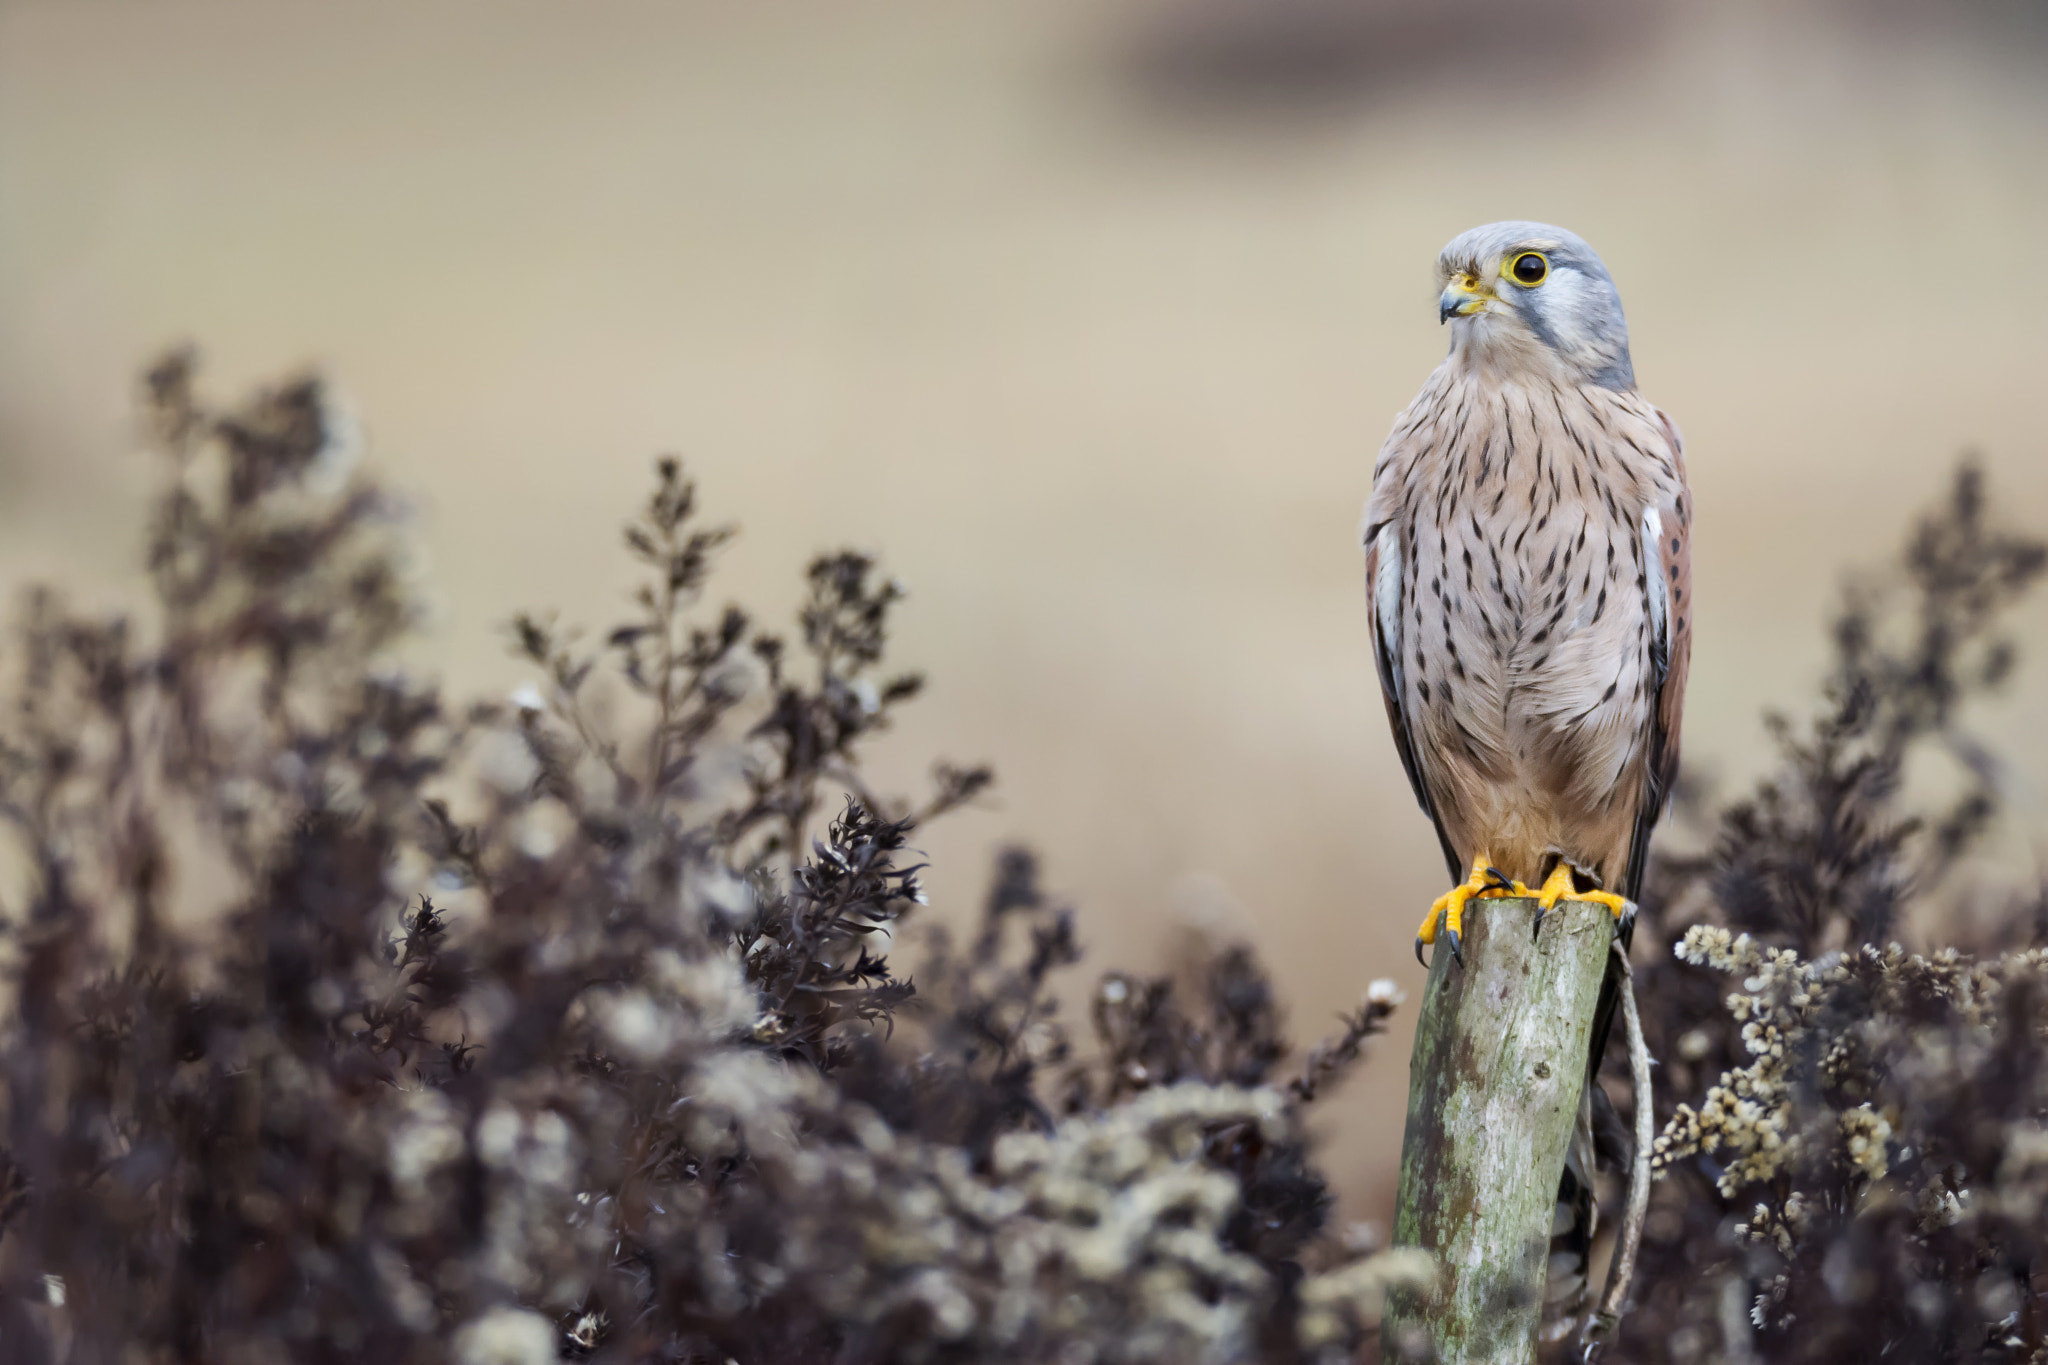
1622	1269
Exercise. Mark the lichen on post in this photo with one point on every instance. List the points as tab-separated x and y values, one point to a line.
1493	1091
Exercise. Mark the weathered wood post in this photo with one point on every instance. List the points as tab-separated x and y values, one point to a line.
1493	1091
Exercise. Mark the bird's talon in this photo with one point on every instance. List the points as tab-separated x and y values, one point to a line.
1559	886
1447	913
1420	960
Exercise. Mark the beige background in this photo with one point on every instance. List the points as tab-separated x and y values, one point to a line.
1088	316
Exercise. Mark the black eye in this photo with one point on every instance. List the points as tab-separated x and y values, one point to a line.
1529	268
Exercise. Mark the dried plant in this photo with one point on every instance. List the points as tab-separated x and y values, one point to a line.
1851	1143
356	1024
353	1023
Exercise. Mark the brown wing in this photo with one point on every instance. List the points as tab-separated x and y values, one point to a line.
1383	585
1671	653
1670	607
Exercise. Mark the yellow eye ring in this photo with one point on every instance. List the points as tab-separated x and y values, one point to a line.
1527	268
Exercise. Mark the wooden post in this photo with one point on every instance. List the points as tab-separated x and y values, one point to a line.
1493	1092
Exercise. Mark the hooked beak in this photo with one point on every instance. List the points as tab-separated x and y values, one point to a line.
1462	297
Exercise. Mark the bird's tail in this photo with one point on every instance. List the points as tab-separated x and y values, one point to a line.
1599	1139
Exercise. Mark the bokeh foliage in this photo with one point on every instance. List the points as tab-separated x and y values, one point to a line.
1853	1133
570	1024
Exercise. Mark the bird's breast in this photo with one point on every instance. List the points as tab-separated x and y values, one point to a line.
1526	607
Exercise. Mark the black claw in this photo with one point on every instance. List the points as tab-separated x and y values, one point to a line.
1457	953
1501	879
1418	953
1537	928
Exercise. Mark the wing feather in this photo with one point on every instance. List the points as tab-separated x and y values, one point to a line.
1671	614
1383	579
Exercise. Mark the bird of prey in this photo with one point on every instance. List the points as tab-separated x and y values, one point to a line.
1527	558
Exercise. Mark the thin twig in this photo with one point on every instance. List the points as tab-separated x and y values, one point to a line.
1623	1267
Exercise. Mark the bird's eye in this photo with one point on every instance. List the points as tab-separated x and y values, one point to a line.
1529	269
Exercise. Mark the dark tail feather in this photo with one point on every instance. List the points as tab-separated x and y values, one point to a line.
1599	1139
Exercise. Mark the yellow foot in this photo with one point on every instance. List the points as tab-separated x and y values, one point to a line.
1449	908
1558	886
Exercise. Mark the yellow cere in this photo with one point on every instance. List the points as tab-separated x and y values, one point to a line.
1475	291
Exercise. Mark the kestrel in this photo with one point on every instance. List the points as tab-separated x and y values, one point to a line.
1526	553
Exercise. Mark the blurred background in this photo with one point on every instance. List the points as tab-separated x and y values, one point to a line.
1088	317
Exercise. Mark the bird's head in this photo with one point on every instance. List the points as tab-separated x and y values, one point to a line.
1528	298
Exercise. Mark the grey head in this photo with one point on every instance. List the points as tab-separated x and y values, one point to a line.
1529	298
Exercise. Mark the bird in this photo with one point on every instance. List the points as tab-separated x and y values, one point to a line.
1527	545
1528	564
